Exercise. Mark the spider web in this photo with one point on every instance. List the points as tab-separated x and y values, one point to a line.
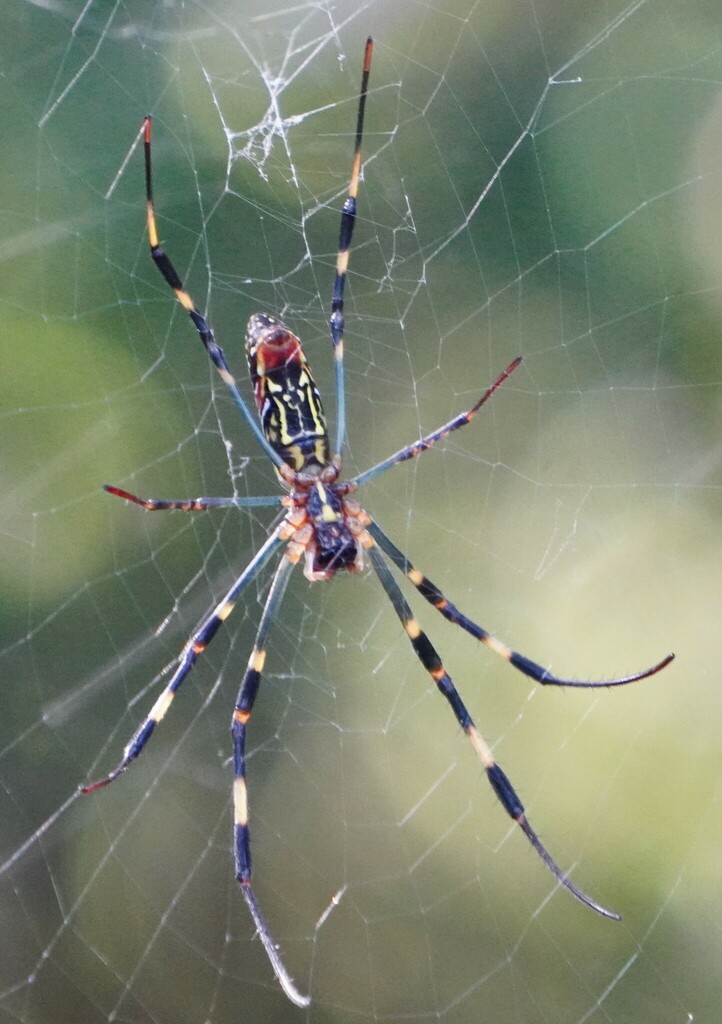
539	179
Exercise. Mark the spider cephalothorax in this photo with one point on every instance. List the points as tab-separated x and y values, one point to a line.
336	530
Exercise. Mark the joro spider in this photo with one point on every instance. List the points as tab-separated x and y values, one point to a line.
328	528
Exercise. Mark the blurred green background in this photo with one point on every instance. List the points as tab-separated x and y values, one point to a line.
540	179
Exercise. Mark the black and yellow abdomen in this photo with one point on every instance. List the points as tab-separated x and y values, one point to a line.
288	402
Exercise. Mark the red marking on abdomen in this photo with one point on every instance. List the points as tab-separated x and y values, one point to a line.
278	348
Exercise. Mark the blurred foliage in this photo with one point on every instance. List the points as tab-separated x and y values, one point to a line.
579	518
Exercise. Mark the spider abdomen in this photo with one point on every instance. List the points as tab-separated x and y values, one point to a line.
288	402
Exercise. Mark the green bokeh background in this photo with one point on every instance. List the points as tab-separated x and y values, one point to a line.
579	517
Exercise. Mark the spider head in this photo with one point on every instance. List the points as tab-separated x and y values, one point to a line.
333	546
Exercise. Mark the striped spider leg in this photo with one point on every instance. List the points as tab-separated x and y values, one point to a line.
429	658
376	539
241	714
436	597
193	647
293	433
323	525
348	220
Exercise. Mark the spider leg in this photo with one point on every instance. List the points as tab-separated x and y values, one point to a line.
189	655
434	596
501	785
242	713
193	504
417	447
348	219
171	276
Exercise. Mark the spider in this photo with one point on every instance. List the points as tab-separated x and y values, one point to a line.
326	527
